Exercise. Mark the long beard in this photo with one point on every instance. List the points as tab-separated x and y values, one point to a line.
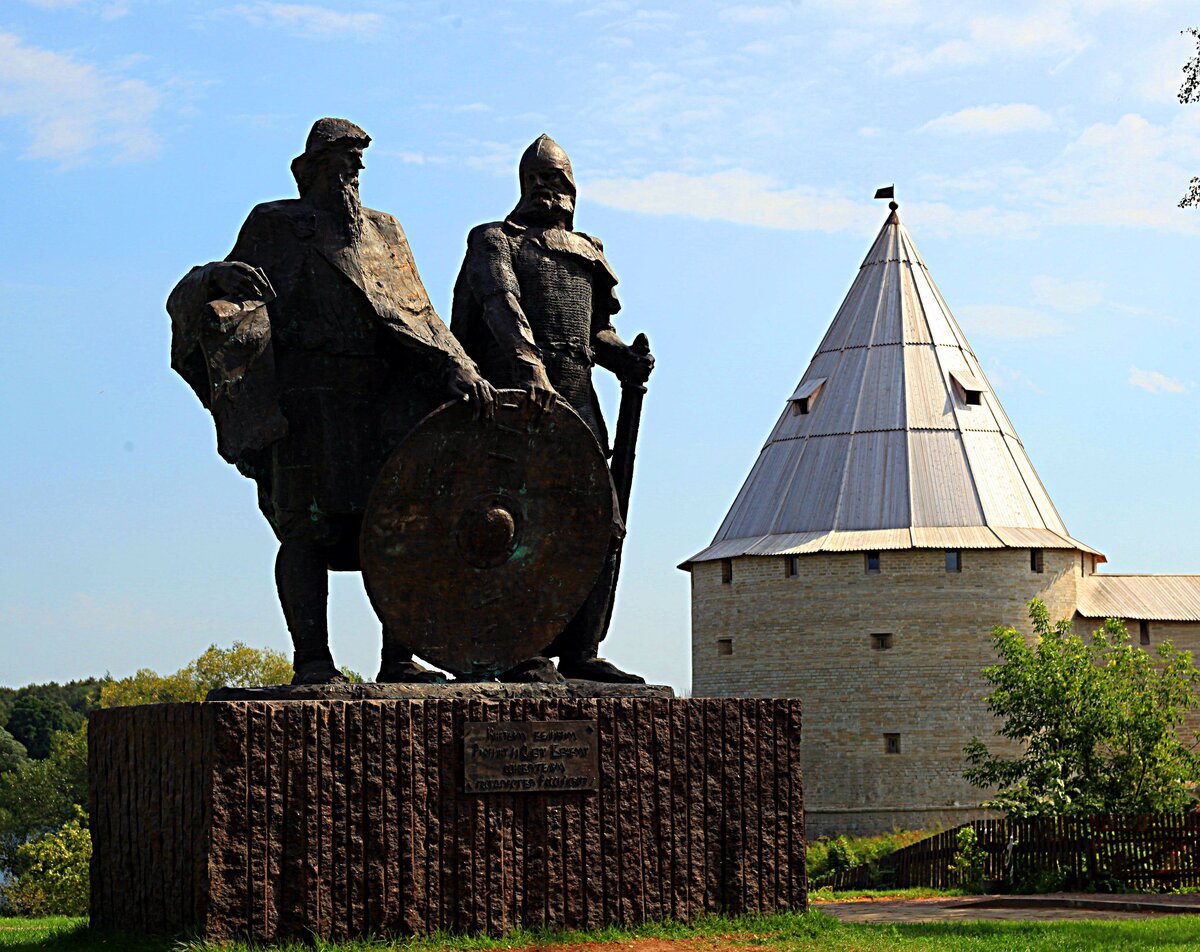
342	207
348	210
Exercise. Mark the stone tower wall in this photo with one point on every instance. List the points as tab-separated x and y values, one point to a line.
809	636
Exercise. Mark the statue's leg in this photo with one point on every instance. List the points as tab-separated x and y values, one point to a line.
302	578
578	645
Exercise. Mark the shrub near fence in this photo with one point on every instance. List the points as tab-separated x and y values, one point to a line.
1151	853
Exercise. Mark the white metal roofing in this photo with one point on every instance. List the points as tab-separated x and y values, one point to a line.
889	454
1142	597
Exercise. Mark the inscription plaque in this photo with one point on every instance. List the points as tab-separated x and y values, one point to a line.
530	756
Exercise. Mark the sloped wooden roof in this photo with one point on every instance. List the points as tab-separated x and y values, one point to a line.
1141	597
893	438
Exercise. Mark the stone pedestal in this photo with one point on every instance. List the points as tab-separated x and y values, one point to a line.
274	819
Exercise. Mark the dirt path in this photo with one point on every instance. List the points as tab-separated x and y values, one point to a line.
1057	906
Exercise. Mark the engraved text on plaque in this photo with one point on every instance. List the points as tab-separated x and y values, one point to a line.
530	756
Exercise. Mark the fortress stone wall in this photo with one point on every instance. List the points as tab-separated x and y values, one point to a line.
809	636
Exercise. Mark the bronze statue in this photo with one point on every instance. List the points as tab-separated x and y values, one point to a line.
533	305
316	347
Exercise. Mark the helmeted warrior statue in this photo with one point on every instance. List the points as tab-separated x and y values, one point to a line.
533	305
316	348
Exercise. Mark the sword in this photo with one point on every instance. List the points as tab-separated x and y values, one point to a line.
629	419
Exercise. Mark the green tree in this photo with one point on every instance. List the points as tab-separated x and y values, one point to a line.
52	873
1189	92
1101	723
12	752
41	795
35	719
236	666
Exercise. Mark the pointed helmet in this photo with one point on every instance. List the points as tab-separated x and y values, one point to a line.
545	153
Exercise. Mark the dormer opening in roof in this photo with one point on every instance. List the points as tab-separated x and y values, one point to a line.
805	397
967	388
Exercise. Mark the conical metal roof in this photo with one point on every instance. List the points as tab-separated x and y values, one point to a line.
893	439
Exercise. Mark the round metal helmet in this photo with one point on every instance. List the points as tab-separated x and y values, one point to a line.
545	153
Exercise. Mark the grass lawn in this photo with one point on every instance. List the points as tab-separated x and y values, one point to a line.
813	931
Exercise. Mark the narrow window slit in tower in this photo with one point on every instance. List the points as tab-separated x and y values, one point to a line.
791	565
872	559
881	641
953	560
724	646
1144	632
891	743
726	571
1037	561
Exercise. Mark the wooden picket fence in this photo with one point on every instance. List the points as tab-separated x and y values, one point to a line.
1152	853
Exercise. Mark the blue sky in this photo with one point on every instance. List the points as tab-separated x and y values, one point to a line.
727	155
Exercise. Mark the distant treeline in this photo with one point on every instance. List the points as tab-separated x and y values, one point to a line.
30	716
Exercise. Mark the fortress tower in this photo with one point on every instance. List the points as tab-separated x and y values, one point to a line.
890	521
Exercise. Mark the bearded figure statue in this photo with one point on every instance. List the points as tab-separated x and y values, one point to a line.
316	348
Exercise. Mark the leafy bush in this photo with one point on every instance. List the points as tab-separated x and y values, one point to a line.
42	795
1101	722
827	857
52	872
968	859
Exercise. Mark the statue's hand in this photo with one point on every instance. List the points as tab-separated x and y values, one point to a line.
635	365
238	280
466	384
541	392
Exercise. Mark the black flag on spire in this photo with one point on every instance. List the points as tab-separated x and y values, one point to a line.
888	191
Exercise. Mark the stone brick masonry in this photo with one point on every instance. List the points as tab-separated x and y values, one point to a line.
287	819
809	637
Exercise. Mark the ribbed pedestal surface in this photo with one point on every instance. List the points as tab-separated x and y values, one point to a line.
276	819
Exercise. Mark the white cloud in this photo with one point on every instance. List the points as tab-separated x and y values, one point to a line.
1004	322
1130	172
756	15
1070	296
736	196
991	120
1050	30
1154	382
745	198
310	20
73	109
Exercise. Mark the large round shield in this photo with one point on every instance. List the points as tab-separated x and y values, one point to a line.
481	539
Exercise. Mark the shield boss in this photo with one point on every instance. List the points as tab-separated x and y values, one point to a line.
482	539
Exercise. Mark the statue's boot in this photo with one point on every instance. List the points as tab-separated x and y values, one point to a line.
398	667
596	669
535	670
318	672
